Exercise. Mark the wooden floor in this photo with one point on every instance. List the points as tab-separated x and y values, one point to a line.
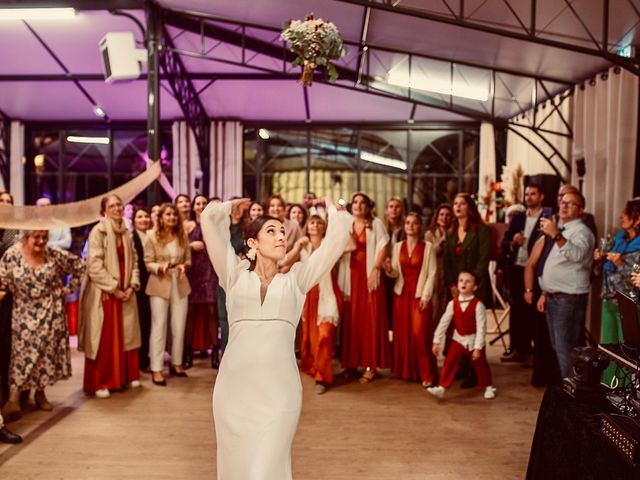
388	430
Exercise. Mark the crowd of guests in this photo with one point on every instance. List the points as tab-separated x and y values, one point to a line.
401	295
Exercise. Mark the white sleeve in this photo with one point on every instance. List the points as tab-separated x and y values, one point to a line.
381	235
321	261
445	320
214	222
481	326
429	284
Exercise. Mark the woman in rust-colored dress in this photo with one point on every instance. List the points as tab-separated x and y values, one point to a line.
413	265
320	315
365	339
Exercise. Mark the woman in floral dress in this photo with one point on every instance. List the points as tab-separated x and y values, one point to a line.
40	353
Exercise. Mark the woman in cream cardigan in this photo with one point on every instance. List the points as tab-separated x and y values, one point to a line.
413	265
365	336
167	257
108	329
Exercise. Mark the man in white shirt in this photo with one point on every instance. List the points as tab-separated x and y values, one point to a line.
565	277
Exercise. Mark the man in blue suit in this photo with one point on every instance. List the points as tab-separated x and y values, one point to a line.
517	243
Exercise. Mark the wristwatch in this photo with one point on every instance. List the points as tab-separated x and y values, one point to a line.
558	237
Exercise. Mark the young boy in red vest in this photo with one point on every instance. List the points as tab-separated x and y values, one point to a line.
470	322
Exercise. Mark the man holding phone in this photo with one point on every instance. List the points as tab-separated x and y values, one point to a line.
564	275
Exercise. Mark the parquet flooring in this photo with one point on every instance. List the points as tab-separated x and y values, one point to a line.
388	430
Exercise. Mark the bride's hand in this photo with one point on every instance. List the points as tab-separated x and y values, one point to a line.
328	202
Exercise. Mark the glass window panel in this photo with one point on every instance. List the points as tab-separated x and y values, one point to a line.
383	165
333	170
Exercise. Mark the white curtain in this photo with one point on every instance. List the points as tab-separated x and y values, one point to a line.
487	172
16	162
225	179
520	151
605	127
187	174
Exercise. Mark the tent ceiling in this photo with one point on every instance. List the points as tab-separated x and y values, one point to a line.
37	72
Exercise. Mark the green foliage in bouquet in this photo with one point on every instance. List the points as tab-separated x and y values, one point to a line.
315	42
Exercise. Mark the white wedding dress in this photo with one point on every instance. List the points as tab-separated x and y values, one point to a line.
258	395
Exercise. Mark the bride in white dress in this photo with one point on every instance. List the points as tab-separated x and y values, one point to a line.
258	394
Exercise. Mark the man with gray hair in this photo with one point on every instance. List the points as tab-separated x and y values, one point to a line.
564	274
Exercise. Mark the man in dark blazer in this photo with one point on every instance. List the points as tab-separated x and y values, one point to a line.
517	243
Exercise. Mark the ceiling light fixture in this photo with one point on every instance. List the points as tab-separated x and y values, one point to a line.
37	13
98	140
380	160
99	112
263	133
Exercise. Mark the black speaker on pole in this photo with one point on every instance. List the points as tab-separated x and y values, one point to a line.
550	185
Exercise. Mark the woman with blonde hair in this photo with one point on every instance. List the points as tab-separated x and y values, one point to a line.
320	315
109	328
167	257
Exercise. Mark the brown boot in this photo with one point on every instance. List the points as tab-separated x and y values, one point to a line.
42	402
11	411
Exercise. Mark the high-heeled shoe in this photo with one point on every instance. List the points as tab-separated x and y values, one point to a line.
42	402
175	373
161	383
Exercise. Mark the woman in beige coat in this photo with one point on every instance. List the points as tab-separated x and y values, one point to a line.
108	329
167	257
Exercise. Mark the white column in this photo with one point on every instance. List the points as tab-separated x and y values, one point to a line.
226	159
186	162
487	171
17	162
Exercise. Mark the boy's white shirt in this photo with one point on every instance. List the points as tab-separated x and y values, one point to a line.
475	341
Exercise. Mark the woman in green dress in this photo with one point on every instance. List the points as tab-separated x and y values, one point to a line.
617	266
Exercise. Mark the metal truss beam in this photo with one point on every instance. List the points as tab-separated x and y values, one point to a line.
190	104
360	76
99	77
77	4
547	158
459	18
62	66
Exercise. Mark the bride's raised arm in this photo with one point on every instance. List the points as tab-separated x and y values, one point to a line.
214	222
322	260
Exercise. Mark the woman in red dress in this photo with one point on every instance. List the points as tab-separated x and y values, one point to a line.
365	339
320	316
109	330
413	265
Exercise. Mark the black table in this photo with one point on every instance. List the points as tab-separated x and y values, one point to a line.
567	443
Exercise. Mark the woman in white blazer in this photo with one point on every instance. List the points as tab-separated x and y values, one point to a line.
413	265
